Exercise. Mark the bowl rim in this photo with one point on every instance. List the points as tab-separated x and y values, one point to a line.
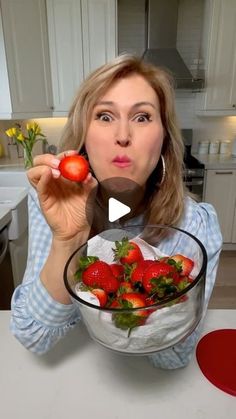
202	273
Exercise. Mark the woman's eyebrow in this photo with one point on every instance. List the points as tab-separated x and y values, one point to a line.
105	102
136	105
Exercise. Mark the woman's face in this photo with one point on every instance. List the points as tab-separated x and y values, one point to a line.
125	135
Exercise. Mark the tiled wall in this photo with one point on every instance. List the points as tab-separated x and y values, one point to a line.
131	33
189	32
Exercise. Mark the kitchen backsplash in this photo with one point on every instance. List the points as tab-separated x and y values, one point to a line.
189	33
131	33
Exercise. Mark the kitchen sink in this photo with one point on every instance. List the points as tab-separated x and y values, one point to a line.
11	177
11	196
15	199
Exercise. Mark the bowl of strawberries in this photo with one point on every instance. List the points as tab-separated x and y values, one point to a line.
139	289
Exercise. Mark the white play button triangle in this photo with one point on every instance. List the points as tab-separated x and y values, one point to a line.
116	209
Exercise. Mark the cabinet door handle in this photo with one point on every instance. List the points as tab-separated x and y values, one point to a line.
224	173
194	183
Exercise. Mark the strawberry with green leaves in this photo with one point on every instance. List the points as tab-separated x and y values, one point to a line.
154	273
83	263
125	287
132	300
99	275
158	280
132	282
127	252
128	320
182	263
137	273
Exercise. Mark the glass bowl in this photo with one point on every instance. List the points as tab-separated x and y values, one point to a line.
167	319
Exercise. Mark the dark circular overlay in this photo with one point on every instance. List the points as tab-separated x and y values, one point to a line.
216	356
123	190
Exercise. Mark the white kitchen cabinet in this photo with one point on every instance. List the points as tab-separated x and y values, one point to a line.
99	19
219	53
234	228
82	36
66	51
24	60
220	191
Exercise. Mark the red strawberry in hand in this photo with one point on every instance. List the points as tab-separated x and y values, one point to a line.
74	168
127	251
99	275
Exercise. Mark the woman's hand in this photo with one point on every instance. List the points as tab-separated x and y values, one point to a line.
67	206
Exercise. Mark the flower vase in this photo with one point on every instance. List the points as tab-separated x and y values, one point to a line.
28	158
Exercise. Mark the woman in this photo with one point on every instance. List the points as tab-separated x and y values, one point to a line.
123	112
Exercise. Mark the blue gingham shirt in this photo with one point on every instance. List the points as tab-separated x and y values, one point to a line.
39	322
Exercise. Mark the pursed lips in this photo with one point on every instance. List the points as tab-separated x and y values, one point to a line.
121	161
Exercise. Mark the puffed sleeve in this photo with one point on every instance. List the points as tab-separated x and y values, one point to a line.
200	219
37	320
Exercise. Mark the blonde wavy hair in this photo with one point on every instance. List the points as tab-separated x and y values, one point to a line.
166	200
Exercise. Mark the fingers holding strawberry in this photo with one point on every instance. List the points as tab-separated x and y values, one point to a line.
70	165
66	191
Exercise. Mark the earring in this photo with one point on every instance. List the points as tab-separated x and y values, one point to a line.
163	170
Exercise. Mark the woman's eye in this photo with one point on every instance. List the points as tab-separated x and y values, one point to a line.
104	117
144	117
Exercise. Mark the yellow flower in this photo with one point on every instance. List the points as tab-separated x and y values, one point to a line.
20	137
11	132
33	131
38	131
8	132
34	127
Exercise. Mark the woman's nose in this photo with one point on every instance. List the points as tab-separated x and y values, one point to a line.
123	134
124	142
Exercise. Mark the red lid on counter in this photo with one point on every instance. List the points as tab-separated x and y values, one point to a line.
216	356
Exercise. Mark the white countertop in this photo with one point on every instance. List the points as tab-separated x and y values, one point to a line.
5	216
217	161
87	381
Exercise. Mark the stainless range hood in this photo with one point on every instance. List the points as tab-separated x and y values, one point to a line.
161	36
